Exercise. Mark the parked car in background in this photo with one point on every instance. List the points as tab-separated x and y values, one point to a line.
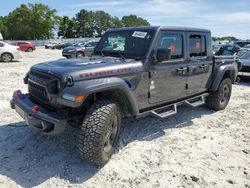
61	45
216	47
25	46
246	46
244	61
9	52
50	45
228	49
79	50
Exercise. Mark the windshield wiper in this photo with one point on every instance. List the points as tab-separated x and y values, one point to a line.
122	56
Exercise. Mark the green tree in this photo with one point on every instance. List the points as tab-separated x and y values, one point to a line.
3	28
84	23
102	22
67	27
134	21
32	21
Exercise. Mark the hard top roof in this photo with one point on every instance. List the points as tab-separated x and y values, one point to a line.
169	28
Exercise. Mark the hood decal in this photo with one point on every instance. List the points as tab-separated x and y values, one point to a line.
102	73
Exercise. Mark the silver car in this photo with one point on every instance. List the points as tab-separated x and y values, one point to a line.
244	60
9	52
79	50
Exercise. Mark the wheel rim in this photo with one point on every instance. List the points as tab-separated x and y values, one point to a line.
6	57
225	94
30	50
80	54
111	135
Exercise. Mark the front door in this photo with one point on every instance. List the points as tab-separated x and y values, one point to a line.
89	48
200	63
168	79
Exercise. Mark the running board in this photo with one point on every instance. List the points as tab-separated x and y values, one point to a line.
165	111
169	110
196	101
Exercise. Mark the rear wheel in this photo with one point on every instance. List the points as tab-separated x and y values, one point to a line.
29	50
218	100
99	132
6	57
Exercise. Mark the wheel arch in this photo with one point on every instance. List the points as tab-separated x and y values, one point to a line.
225	71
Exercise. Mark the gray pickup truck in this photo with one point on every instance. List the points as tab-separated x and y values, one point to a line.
134	72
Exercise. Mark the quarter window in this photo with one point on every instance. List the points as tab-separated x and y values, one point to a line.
1	44
174	42
197	45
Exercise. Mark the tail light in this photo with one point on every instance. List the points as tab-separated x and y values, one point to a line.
19	49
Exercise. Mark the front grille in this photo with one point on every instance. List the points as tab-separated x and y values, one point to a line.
40	85
245	69
39	92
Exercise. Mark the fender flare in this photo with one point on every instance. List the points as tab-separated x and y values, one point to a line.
219	75
89	87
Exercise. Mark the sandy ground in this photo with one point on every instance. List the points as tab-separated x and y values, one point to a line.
195	148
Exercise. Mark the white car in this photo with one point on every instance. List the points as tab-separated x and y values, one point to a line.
9	52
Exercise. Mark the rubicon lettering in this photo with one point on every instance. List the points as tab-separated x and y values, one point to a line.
106	73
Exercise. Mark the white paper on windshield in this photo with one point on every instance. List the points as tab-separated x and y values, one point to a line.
139	34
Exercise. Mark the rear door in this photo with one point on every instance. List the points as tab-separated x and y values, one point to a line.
200	62
168	79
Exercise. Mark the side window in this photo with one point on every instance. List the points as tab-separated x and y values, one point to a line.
197	45
174	42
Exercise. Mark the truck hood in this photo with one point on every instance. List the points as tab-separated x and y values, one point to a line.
89	67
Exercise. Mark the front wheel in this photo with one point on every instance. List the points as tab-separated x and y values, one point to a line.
99	133
218	100
80	54
6	57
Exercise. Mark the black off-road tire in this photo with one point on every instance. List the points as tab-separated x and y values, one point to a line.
218	100
99	133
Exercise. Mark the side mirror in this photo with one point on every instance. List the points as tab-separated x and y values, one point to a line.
163	54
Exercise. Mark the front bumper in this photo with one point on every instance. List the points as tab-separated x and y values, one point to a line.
69	54
46	121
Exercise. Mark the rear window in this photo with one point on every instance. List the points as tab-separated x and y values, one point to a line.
197	45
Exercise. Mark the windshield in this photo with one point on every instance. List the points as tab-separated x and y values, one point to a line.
245	55
80	44
128	43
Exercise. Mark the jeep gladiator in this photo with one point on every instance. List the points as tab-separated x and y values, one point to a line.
134	72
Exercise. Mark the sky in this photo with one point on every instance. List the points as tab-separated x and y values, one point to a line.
222	17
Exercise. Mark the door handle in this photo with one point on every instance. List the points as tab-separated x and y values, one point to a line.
203	66
181	69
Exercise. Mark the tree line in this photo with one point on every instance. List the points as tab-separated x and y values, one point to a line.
228	38
39	21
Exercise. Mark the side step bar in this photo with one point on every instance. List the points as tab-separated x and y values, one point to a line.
171	109
165	111
196	101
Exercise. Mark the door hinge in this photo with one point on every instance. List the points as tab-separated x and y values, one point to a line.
186	86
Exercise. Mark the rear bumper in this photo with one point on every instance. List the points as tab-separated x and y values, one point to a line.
48	122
